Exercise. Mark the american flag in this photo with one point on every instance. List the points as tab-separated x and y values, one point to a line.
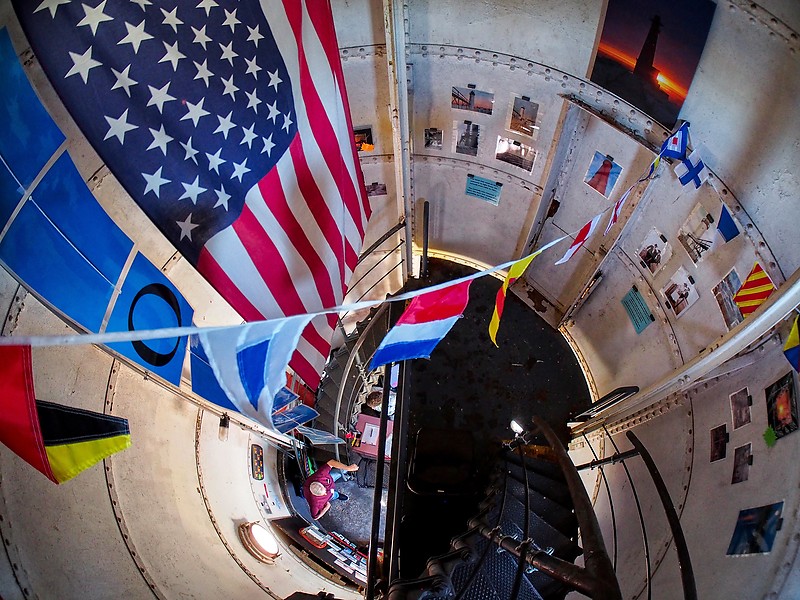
228	124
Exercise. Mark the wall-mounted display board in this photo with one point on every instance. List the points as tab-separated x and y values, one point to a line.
637	310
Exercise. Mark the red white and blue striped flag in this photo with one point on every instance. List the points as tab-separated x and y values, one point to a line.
428	318
228	124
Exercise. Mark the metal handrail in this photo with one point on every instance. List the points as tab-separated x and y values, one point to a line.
597	579
350	359
684	560
610	499
645	542
380	240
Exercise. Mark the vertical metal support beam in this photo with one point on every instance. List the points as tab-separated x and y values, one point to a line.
394	27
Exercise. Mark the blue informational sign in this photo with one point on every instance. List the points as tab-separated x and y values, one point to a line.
637	310
149	301
283	398
485	189
28	136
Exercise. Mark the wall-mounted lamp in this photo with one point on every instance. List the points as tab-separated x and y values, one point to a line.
517	428
224	427
259	541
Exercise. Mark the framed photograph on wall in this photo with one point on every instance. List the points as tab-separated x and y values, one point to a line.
782	405
697	235
433	138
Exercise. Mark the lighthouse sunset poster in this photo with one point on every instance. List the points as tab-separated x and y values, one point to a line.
649	51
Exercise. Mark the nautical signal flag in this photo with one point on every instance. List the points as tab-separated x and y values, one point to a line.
754	291
584	234
515	272
675	145
428	318
726	226
617	210
250	361
59	441
791	349
692	170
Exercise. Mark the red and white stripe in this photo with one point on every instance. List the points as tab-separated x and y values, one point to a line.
617	210
297	241
584	234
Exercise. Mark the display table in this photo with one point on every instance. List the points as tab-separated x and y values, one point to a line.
368	427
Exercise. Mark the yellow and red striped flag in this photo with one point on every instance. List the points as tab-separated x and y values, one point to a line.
514	273
755	290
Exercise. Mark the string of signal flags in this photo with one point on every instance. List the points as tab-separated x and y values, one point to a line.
250	360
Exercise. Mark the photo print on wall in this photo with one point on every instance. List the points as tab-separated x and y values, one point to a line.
465	137
468	98
655	251
719	442
697	234
755	530
363	139
602	173
515	153
433	138
740	408
680	292
742	459
376	189
649	51
523	116
782	405
724	292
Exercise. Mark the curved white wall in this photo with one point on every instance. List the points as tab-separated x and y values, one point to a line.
65	541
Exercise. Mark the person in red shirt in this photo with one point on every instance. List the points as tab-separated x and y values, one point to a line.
320	488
